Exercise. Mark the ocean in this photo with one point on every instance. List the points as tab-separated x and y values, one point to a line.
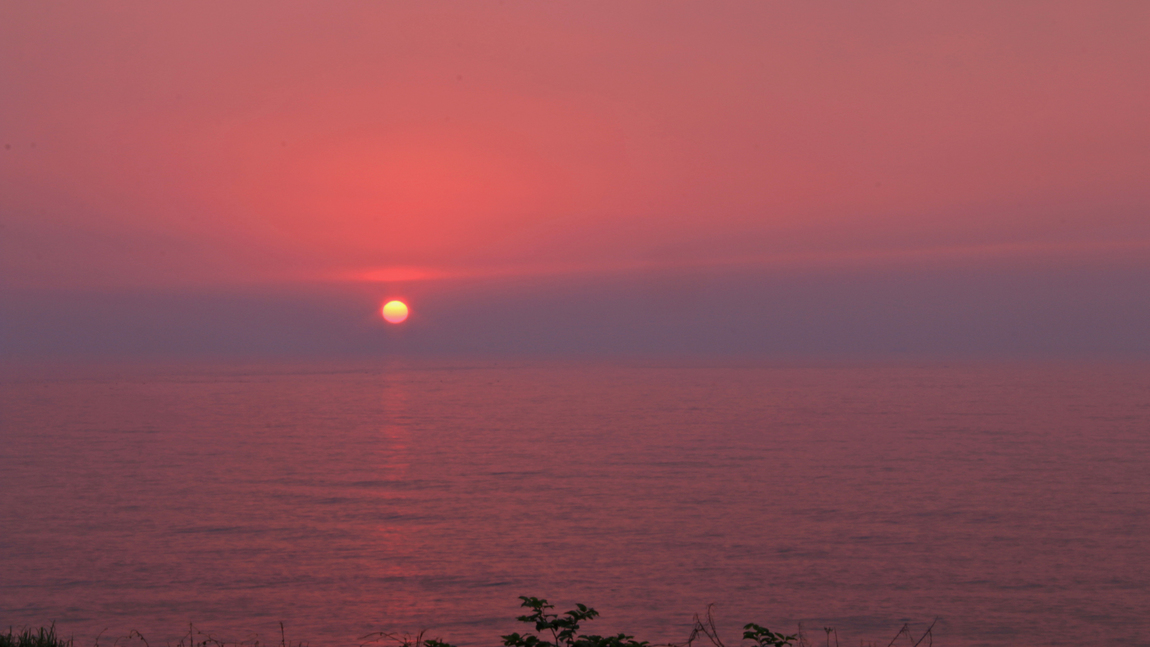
1008	503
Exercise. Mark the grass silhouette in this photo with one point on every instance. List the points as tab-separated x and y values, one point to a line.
42	637
547	629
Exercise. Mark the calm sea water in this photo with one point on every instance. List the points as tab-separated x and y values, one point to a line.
1010	502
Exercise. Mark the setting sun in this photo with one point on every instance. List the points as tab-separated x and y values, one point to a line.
395	312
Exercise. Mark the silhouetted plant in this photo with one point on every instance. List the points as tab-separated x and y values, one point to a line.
765	637
563	629
42	637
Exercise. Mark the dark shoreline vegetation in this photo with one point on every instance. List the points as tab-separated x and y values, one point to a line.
550	630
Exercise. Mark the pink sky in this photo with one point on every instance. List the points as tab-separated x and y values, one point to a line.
223	143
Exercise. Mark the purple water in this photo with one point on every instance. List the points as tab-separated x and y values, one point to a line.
1010	502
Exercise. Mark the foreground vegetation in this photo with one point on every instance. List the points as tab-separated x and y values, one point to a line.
42	637
549	629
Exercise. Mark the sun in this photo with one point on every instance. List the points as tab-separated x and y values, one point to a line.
395	312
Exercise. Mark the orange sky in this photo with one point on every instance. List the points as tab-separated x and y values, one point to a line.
221	143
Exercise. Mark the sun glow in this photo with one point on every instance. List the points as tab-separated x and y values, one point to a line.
395	312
